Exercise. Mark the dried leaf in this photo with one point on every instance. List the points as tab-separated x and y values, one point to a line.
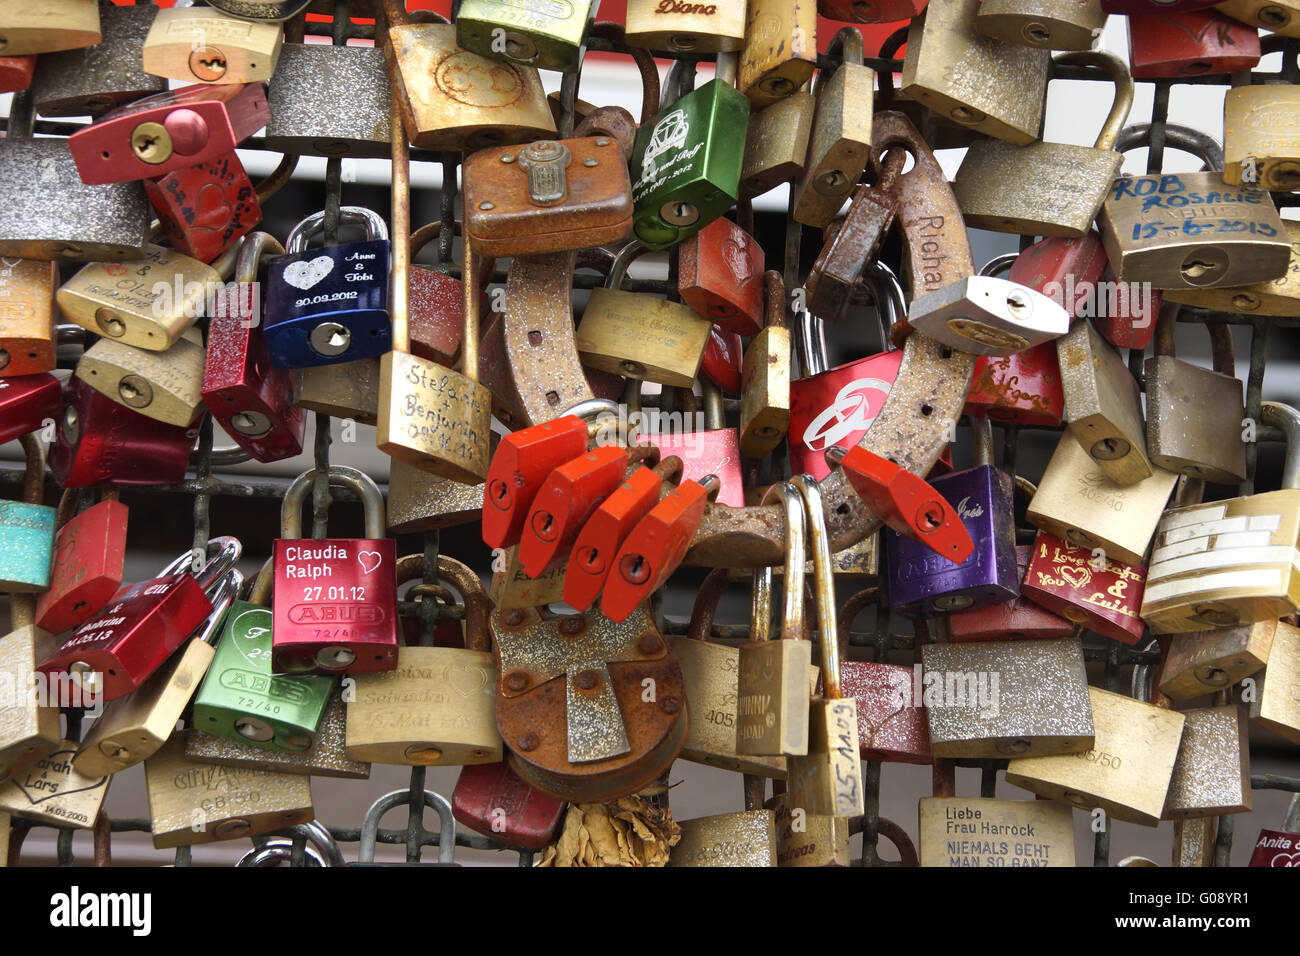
630	831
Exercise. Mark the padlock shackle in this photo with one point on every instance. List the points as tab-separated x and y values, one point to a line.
256	245
1287	419
795	567
34	470
774	304
1119	74
889	51
679	81
227	551
22	116
999	264
478	608
1182	138
301	234
227	589
276	179
260	594
715	415
372	500
615	35
848	43
891	302
855	605
1291	822
625	257
760	606
728	66
810	343
224	264
705	608
278	850
1222	350
390	801
321	845
981	431
823	583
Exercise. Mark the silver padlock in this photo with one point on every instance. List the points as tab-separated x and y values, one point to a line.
986	315
330	101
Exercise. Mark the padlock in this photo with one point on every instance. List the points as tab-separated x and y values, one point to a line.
455	99
655	548
29	718
1195	415
1211	776
1066	268
685	168
89	80
1280	847
511	588
346	390
85	224
88	562
545	36
892	723
16	73
240	699
49	27
27	528
27	319
153	136
1189	43
722	364
493	800
1007	100
608	528
321	849
133	728
192	802
1277	16
102	442
1275	707
1060	187
370	828
612	335
776	144
923	582
1261	143
146	303
1276	297
251	399
1230	562
780	51
870	11
27	403
163	386
1206	662
772	687
435	707
114	652
199	44
985	315
720	276
349	625
1103	405
1047	24
1016	620
1137	7
746	838
706	447
679	27
564	502
765	383
522	463
839	145
329	101
827	781
256	10
207	207
1086	587
584	674
1125	771
51	791
809	840
974	713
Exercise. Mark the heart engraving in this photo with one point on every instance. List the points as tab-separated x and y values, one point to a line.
466	681
1078	577
369	560
52	780
305	274
736	256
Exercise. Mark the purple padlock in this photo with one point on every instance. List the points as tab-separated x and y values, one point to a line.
923	583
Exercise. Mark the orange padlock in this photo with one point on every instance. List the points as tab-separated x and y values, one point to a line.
564	502
522	461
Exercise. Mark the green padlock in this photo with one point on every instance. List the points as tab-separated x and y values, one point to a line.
27	528
547	36
241	700
686	165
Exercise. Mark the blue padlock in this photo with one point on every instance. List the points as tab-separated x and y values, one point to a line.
27	528
329	305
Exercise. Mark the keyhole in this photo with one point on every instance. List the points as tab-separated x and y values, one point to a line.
1109	449
499	492
545	525
634	568
1273	17
591	560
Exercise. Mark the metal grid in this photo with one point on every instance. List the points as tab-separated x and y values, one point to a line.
414	836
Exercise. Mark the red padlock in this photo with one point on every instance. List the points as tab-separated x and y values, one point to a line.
168	131
248	396
720	276
1139	7
704	443
563	504
522	462
1016	620
115	651
206	207
436	304
608	527
905	502
1086	587
27	403
89	558
16	73
655	547
1191	43
101	442
493	800
723	363
870	11
334	609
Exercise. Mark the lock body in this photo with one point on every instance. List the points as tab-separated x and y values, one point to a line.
1205	662
26	546
1261	139
815	841
91	79
50	27
1275	707
613	337
28	730
780	52
52	791
712	452
521	464
720	276
985	315
1024	388
27	316
1277	16
740	839
1047	24
1275	297
836	409
1089	589
206	207
347	390
1016	620
89	556
1194	420
546	36
493	800
953	832
199	45
839	145
776	144
1212	774
564	503
1189	43
680	27
892	722
163	386
27	402
330	101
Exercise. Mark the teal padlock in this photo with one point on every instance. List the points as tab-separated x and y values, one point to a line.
548	35
27	528
241	700
686	165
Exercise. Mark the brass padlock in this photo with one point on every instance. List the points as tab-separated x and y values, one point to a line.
765	378
1127	769
349	390
809	840
987	86
679	27
780	51
202	45
1275	706
1194	841
53	792
1212	774
29	722
1046	189
49	26
1206	662
839	146
1048	24
1277	16
641	336
164	386
776	144
192	802
420	502
1280	296
1195	416
27	318
512	588
1077	502
743	839
1103	405
329	101
1261	141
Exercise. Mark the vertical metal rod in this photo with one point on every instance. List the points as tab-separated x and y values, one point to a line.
1259	332
400	290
